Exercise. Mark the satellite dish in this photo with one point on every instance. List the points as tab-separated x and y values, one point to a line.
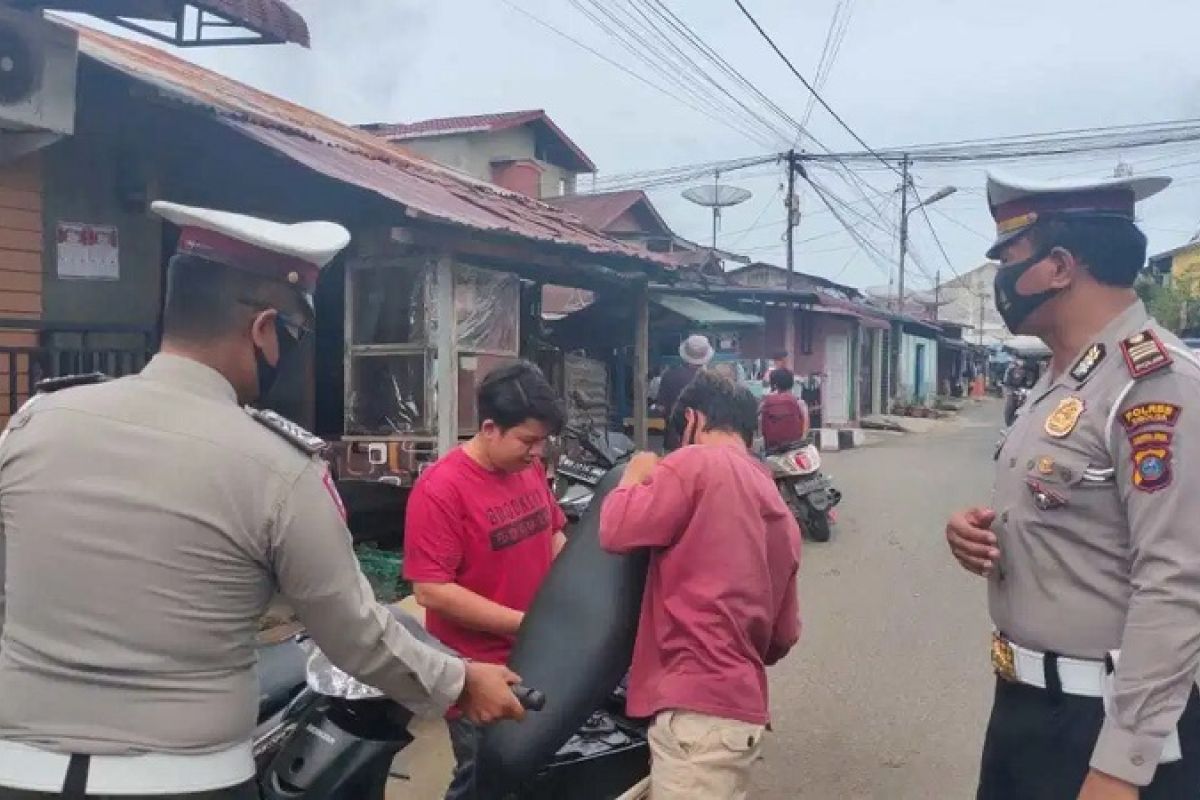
716	197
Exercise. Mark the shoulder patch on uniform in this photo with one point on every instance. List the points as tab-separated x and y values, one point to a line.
1145	354
51	385
1151	455
308	442
1143	415
1088	362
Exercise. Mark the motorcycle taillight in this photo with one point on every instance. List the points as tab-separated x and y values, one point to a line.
801	460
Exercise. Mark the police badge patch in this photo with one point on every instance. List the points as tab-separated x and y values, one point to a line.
1088	362
1065	417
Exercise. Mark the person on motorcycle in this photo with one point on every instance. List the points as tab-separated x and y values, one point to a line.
481	531
720	600
783	416
146	523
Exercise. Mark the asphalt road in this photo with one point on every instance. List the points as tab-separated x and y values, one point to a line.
887	693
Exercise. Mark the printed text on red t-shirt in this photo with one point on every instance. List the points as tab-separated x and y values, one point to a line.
518	519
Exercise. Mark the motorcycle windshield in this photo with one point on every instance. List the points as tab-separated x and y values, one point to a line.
324	678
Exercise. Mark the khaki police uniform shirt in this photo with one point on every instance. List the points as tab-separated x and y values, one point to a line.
1098	521
146	524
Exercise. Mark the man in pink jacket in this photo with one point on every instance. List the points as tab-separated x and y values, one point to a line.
720	602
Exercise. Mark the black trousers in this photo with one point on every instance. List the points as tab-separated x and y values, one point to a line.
1039	744
247	791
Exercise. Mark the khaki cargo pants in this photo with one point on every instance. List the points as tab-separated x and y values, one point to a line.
698	757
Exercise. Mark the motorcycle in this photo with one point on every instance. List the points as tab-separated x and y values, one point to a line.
1012	404
808	492
324	736
588	452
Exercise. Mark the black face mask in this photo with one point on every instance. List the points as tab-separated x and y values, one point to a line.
1013	306
268	373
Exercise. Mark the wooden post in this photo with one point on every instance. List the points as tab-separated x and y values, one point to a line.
789	334
641	366
447	358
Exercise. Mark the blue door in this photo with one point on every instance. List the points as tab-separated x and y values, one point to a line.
919	388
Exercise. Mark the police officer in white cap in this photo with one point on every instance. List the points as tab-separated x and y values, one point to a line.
148	521
1090	546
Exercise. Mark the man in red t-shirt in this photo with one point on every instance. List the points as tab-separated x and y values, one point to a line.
720	601
481	531
784	416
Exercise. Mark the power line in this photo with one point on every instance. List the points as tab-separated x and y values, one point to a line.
808	85
641	49
716	118
684	62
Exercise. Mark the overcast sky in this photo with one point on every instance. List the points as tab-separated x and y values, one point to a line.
908	72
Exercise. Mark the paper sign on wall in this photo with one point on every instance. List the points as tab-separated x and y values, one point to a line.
88	252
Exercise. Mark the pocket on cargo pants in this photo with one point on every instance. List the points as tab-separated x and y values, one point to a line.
701	756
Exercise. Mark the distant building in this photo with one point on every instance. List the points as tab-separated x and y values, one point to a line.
520	150
967	300
1178	267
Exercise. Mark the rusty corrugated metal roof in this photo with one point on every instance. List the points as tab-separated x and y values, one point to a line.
355	156
273	19
483	123
441	126
602	209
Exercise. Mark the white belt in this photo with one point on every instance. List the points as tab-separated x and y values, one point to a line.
1016	663
37	770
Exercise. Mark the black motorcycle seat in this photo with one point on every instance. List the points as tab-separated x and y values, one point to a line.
575	644
281	673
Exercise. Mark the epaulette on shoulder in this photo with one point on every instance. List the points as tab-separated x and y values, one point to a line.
51	385
1145	354
308	442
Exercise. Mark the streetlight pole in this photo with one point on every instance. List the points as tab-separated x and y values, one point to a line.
904	179
905	211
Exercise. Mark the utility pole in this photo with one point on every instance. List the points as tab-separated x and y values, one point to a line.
937	294
904	163
789	325
982	300
791	215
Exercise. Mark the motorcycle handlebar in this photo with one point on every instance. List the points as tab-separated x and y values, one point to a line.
531	699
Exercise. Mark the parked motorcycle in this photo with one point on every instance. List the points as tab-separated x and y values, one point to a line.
324	736
587	453
808	492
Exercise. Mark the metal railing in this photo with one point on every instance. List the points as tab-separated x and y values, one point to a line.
67	349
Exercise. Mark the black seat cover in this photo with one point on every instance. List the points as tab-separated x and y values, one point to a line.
281	675
575	645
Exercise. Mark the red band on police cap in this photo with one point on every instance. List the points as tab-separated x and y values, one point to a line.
235	253
1101	201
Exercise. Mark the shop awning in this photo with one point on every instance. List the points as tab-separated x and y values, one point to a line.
704	313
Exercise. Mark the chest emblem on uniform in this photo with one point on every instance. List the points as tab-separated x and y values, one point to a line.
1088	362
1065	417
1045	465
1144	354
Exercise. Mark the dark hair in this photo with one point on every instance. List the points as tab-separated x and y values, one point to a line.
1114	249
779	355
511	394
207	300
725	405
782	379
